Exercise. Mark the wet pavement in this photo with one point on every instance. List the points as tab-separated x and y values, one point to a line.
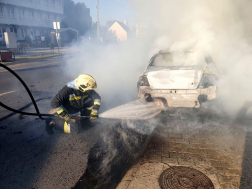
219	147
216	144
29	157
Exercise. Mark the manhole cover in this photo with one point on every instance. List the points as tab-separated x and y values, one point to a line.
184	178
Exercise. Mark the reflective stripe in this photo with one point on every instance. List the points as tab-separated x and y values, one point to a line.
94	112
90	108
97	102
85	96
67	127
60	111
75	98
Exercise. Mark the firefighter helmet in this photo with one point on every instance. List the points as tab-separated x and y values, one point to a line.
85	82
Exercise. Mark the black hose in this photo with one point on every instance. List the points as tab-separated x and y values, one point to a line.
33	102
27	113
20	109
27	89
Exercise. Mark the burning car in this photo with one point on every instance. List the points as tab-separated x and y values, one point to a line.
179	79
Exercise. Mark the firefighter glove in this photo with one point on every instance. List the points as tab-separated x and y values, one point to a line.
63	113
94	114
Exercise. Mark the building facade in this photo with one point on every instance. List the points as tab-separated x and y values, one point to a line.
29	17
120	30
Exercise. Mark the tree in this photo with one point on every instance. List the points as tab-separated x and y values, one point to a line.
77	16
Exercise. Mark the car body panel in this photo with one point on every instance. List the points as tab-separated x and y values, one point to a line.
179	86
174	79
191	98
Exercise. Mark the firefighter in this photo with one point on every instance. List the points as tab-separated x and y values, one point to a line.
76	98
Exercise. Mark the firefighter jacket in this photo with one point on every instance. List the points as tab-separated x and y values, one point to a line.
74	100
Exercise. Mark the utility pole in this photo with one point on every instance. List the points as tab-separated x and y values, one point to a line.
98	21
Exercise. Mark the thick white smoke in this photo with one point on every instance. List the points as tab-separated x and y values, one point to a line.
116	68
220	28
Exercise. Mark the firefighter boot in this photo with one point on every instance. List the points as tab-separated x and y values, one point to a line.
62	125
49	126
55	124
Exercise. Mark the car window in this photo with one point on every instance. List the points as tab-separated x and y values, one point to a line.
177	59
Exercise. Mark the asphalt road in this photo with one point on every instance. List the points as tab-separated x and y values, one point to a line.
29	157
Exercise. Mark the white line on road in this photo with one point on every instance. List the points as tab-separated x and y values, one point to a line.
7	93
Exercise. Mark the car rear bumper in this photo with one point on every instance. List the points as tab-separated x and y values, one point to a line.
180	98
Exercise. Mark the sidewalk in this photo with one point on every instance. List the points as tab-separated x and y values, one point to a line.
216	149
34	52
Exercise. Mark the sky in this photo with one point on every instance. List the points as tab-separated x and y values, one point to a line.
109	10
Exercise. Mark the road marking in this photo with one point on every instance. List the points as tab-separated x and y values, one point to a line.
7	93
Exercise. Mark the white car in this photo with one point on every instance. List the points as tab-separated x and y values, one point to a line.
183	79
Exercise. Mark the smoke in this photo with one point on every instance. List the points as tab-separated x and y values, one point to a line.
116	68
219	28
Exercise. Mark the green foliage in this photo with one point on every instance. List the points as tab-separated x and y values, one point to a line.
77	16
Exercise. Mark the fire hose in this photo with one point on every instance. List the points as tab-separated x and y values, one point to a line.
33	101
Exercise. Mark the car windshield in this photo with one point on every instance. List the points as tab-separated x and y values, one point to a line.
177	59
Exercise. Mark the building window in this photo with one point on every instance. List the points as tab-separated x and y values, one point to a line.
11	12
40	16
21	14
31	15
11	29
25	14
1	12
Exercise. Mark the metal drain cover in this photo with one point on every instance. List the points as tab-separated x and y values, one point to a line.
184	178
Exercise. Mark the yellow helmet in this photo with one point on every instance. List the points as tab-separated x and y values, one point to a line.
85	82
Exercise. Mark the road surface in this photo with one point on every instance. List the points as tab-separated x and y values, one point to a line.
30	158
219	146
